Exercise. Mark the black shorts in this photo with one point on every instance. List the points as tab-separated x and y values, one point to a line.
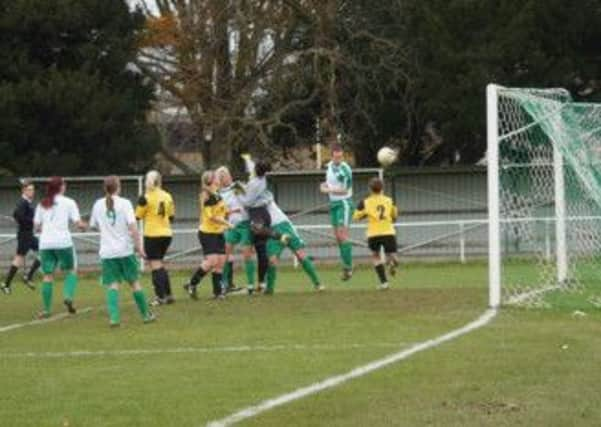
387	242
212	243
156	247
26	242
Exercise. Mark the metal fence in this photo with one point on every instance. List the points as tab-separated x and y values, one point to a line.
443	212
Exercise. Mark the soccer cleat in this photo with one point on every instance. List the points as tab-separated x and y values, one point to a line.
268	292
70	307
347	273
219	297
260	288
169	299
383	287
5	289
42	315
250	290
150	318
392	266
232	289
114	325
285	239
320	288
191	290
158	301
28	282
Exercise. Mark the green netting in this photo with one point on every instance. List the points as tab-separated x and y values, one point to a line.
532	124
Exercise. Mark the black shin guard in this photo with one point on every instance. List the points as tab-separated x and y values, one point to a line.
262	260
34	267
197	276
157	283
10	275
217	288
381	272
230	274
166	281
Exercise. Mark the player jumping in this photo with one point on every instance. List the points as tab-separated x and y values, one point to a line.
114	217
283	234
339	187
52	217
26	241
381	213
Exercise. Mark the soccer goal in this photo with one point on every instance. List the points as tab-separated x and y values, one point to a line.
544	194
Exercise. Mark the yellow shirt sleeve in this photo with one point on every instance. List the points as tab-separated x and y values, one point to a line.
360	213
394	213
170	208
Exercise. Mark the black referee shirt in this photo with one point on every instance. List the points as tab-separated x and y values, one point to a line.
23	214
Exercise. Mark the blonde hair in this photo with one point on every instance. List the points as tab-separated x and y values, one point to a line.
221	172
153	180
206	180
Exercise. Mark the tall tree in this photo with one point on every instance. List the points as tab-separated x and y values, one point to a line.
70	101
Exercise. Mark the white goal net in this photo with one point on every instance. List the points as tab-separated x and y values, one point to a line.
544	160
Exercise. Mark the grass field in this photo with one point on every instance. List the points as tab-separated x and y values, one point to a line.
203	360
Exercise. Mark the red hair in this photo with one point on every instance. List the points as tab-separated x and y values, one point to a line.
52	189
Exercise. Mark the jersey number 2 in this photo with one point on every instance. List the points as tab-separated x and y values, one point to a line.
381	212
161	209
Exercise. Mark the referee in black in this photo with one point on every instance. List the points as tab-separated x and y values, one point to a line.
26	241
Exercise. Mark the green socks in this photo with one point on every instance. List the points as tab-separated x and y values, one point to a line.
271	276
47	296
140	300
70	285
309	268
250	266
346	253
112	303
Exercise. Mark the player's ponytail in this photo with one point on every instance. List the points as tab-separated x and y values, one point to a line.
111	186
153	180
54	187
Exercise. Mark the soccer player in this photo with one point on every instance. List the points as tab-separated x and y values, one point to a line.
157	210
114	217
255	197
213	224
53	217
339	187
241	234
283	234
381	213
26	241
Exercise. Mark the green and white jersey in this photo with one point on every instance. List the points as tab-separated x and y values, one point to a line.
233	202
340	177
277	215
55	222
115	238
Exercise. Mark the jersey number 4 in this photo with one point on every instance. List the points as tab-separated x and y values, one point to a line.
161	209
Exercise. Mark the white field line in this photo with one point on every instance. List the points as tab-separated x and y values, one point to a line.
43	321
335	381
180	350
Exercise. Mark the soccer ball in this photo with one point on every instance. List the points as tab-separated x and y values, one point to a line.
387	156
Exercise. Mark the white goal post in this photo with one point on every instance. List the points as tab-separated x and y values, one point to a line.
544	165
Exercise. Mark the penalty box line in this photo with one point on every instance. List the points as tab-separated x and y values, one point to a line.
43	321
253	411
183	350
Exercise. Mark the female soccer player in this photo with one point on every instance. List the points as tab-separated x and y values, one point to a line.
283	234
339	187
156	209
52	217
241	234
381	213
114	217
26	241
213	224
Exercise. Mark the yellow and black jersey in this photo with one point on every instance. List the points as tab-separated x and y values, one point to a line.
381	213
213	207
157	210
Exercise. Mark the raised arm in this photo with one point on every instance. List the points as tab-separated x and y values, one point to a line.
360	212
